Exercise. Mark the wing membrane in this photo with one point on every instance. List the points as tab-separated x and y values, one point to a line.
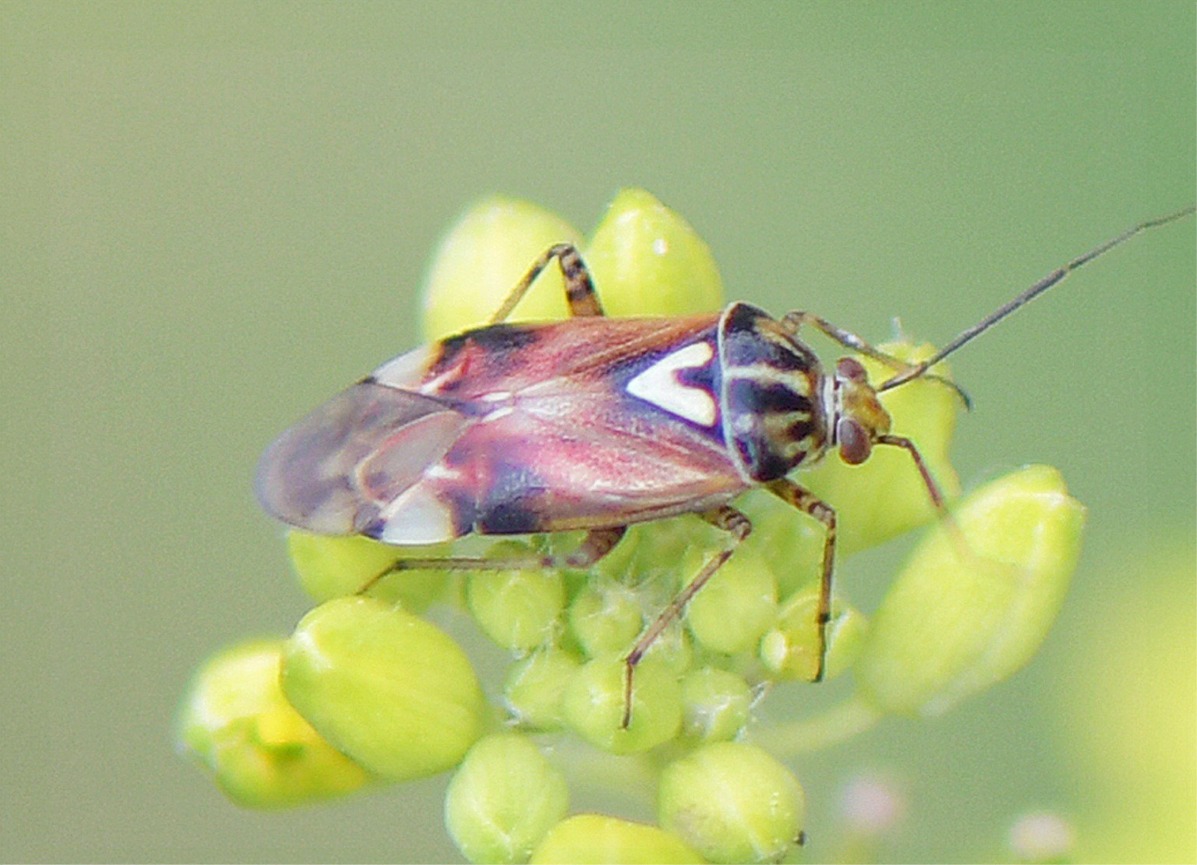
335	470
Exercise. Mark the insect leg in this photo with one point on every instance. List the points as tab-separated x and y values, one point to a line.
807	502
739	527
596	544
579	287
793	321
933	490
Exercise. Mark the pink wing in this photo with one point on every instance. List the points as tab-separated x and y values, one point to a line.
580	459
507	429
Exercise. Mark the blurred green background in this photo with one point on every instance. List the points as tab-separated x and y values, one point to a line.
216	215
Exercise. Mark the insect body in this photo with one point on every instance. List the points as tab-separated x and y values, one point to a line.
591	423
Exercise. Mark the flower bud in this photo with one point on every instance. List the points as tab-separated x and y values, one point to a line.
716	704
481	259
517	609
504	799
673	648
263	754
736	605
605	617
790	649
334	566
647	260
969	610
535	686
923	410
732	802
596	838
384	686
594	701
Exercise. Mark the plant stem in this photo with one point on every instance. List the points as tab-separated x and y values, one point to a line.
838	724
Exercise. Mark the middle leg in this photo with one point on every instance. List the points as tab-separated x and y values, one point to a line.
739	527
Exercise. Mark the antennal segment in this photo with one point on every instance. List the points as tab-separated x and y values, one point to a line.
1030	294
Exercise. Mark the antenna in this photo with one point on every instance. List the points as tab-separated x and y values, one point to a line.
1027	296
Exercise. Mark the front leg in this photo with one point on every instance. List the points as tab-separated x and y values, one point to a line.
807	502
793	322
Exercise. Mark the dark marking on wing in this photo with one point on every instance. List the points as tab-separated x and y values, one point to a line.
509	504
703	377
498	339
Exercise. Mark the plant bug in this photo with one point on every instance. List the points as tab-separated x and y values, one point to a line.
594	424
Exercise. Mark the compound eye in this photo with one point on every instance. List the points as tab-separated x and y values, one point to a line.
855	444
849	368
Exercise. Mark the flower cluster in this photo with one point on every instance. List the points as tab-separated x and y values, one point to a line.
368	689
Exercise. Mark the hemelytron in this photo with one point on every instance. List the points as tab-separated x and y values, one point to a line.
596	423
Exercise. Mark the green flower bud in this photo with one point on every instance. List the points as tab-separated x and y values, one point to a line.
736	606
923	410
481	259
790	650
384	686
334	566
329	567
597	839
263	754
716	704
956	621
663	547
647	260
504	799
593	705
612	607
535	685
732	802
517	609
672	649
605	617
